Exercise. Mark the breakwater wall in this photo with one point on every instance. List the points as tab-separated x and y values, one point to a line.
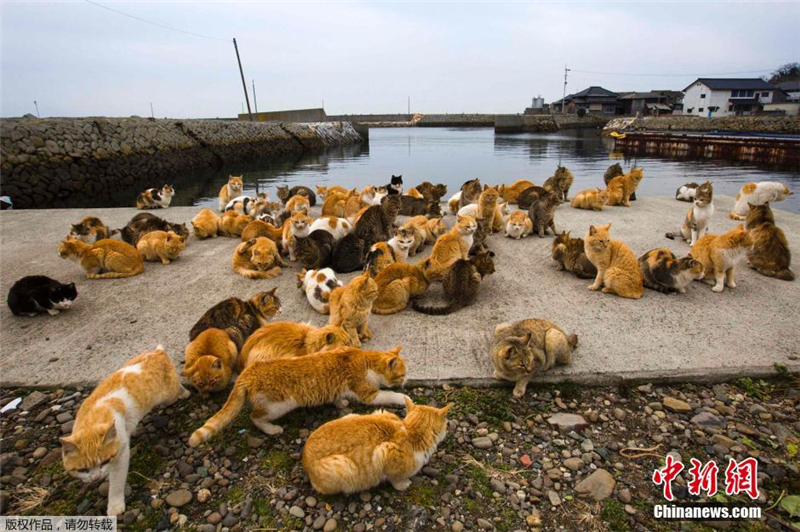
739	124
43	162
546	123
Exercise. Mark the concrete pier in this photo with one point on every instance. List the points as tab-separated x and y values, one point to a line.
700	335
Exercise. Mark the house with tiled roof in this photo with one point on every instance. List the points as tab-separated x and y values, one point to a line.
728	96
595	100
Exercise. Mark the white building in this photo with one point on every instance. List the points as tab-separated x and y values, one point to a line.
728	97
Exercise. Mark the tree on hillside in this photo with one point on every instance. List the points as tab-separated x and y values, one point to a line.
787	72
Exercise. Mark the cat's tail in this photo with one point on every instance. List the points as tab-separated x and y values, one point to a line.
785	274
223	418
572	339
115	275
436	311
258	274
673	236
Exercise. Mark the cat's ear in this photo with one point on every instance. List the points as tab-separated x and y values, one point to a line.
751	205
396	349
67	445
111	434
491	253
393	362
485	187
217	364
446	408
607	226
592	230
409	404
71	286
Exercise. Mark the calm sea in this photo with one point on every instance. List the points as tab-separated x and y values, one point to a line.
453	155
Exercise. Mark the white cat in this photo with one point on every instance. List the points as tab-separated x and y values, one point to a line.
453	202
686	192
317	285
468	210
337	227
758	194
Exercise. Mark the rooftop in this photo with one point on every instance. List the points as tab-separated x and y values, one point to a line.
733	83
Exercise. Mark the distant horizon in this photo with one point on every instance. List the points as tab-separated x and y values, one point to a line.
113	59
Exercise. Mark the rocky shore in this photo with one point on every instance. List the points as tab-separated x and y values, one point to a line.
738	124
562	458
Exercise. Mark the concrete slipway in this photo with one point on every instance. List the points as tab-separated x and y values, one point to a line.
697	336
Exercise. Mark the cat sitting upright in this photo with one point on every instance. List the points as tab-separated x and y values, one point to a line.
37	294
697	220
461	283
99	445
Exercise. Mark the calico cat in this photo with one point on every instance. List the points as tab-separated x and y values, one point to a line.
351	305
258	228
239	318
323	191
36	294
276	387
396	184
299	225
154	198
90	230
315	250
510	193
686	192
337	227
695	225
758	194
230	190
318	285
451	246
285	194
560	183
470	192
394	250
519	225
524	349
350	253
378	220
770	255
461	284
425	231
570	255
158	245
720	254
205	224
371	195
664	272
411	206
431	192
617	268
542	212
145	222
397	285
99	445
210	360
246	204
257	259
590	199
105	259
358	452
622	187
232	223
528	196
286	339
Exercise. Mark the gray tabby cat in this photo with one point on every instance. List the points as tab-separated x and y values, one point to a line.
542	212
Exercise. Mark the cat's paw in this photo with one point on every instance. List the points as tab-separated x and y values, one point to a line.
115	508
730	284
519	392
272	430
53	311
402	485
718	288
608	290
594	287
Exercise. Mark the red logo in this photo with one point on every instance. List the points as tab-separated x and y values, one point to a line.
667	474
740	477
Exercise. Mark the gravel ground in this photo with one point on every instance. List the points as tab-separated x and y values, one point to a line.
505	464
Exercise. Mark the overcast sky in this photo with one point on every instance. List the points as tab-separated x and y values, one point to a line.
78	59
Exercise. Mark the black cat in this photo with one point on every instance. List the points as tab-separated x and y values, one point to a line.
37	294
350	254
396	185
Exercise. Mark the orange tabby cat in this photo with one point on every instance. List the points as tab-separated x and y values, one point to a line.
160	245
719	255
334	204
621	187
323	191
397	285
510	193
350	306
257	259
232	223
206	224
298	203
209	361
233	188
285	339
105	259
450	247
426	231
258	228
299	225
276	387
99	445
487	207
617	267
590	199
356	453
354	202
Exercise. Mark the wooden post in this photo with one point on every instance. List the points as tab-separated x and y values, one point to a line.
244	84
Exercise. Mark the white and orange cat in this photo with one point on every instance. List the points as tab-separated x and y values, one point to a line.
298	226
318	285
450	247
719	255
519	225
337	227
426	231
758	194
356	453
99	445
230	190
276	387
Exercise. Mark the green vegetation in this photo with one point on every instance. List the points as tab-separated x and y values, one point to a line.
614	515
278	461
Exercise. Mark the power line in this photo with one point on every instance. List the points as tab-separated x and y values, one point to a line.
704	74
156	23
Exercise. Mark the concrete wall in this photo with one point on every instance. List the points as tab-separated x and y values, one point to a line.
753	124
372	118
546	123
455	120
44	162
295	115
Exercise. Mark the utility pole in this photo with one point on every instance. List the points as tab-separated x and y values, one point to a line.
409	105
255	101
564	95
244	84
152	113
37	108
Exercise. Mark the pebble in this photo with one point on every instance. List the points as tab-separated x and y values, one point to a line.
179	498
330	525
297	512
574	464
534	520
568	422
676	405
482	442
483	524
599	485
40	452
457	526
203	495
555	500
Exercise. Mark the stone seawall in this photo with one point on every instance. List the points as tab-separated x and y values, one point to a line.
739	124
546	123
43	162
